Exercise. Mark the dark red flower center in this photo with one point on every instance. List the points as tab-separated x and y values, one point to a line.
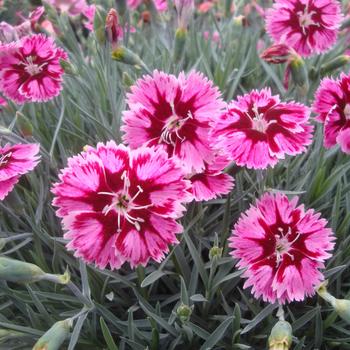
4	158
123	203
32	67
306	19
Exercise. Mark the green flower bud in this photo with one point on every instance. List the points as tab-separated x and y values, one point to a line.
99	25
299	73
22	272
215	252
184	312
341	306
124	55
55	336
334	64
121	7
68	67
281	336
179	45
24	125
127	80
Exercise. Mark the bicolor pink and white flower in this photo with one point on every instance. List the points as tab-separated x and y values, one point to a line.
282	248
309	26
174	113
258	130
16	161
30	69
332	105
121	205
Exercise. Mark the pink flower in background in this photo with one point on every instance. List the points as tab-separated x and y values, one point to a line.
212	182
184	9
71	7
89	13
332	105
134	4
30	69
15	161
174	113
309	26
121	205
161	5
214	37
7	33
281	247
258	130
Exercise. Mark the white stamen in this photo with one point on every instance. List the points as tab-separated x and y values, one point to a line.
5	158
305	19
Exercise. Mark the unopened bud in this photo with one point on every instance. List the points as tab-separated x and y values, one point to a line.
341	306
184	312
24	125
184	10
277	53
99	25
121	7
22	272
179	45
55	336
127	80
334	64
238	21
68	67
215	252
298	71
124	55
113	30
281	336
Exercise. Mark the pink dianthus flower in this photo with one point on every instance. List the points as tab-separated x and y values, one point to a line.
309	26
332	105
120	205
282	247
15	161
71	7
30	69
258	130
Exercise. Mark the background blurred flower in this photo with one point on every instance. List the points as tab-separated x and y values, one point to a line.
71	7
120	205
257	129
15	161
308	26
30	69
332	105
282	247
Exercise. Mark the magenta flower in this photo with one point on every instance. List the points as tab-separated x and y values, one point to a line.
30	69
161	5
212	182
332	104
309	26
258	130
281	247
174	113
89	12
121	205
15	161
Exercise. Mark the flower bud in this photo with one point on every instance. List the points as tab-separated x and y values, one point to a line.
99	25
277	53
127	80
298	71
180	41
68	67
22	272
121	7
24	125
341	306
334	64
124	55
281	336
55	336
215	252
184	312
113	30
